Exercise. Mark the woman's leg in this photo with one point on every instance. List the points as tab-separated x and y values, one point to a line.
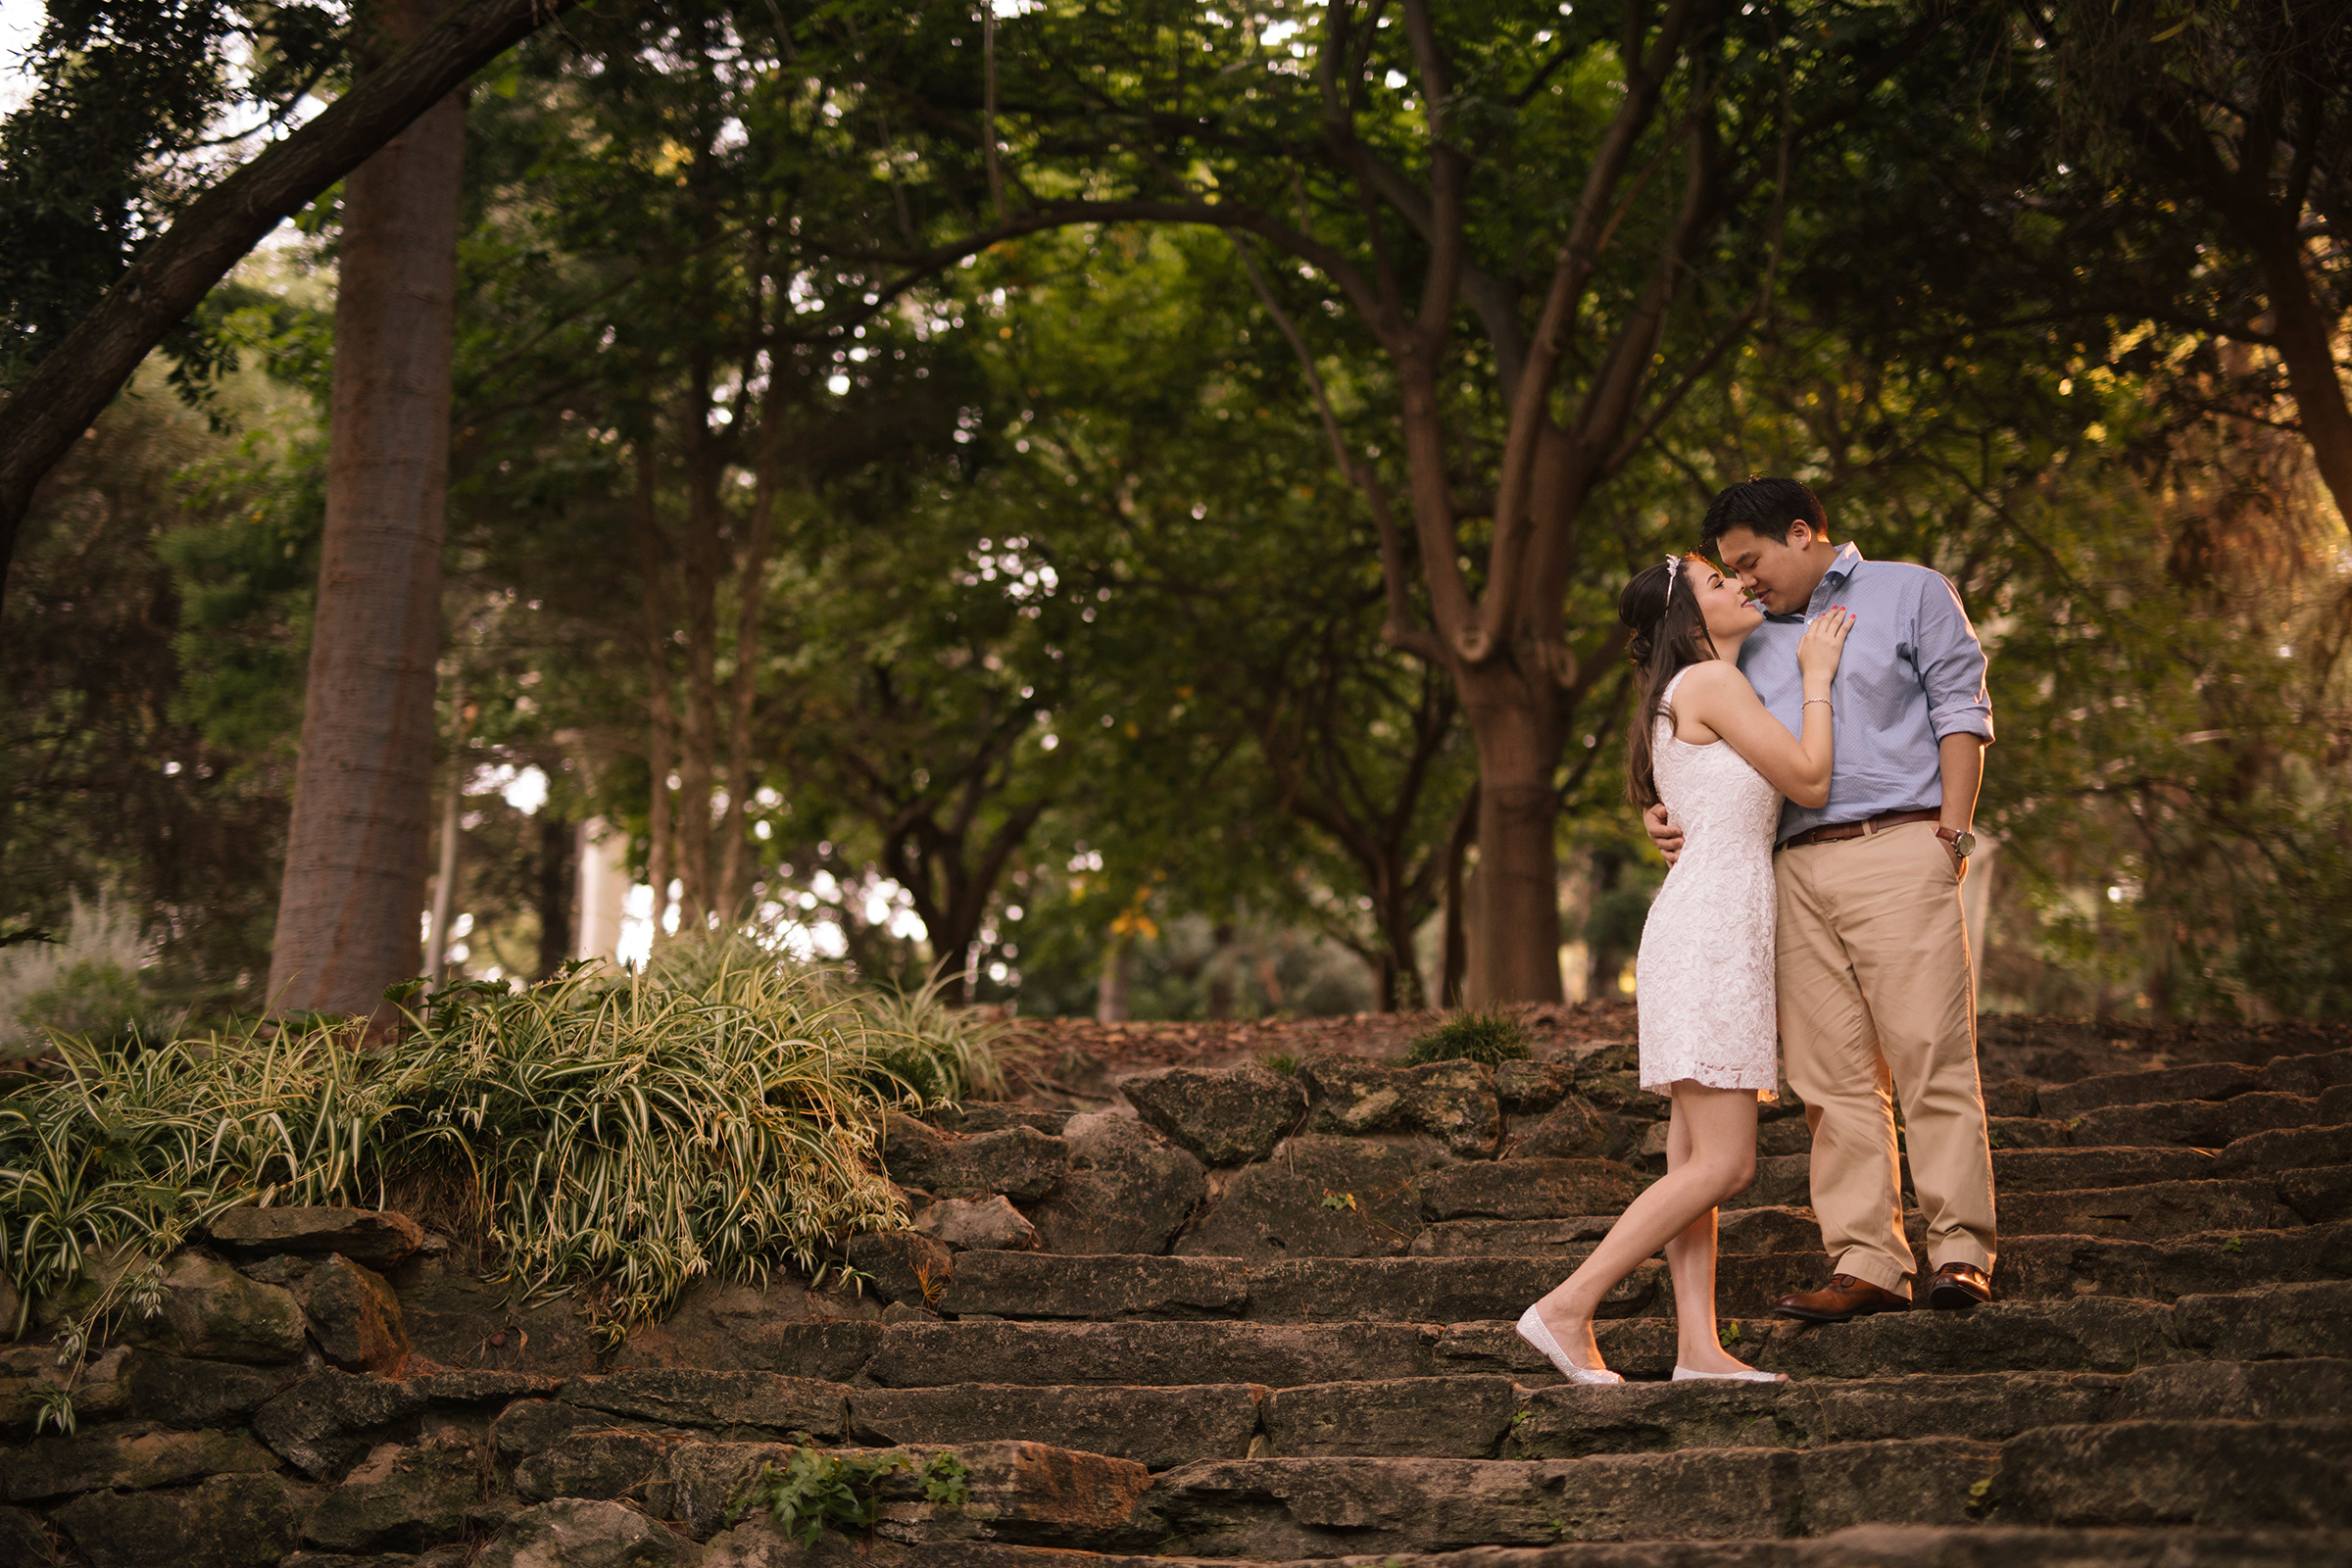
1691	1260
1716	1129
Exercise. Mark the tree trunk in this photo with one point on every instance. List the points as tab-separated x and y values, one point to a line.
79	377
356	855
1455	975
1518	863
2306	345
1110	991
662	723
557	840
700	559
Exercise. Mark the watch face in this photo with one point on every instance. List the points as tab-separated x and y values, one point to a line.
1964	845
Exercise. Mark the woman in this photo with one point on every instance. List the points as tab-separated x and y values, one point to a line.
1703	744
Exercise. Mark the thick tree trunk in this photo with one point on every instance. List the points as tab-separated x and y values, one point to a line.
65	393
1517	887
558	842
1454	976
2306	344
661	725
356	856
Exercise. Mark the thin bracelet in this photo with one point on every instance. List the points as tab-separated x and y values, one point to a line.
1810	701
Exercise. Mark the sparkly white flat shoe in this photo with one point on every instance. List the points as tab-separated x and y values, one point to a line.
1532	1331
1682	1373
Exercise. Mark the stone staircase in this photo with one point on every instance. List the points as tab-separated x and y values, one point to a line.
1266	1318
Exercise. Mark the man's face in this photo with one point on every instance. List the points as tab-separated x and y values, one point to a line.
1779	574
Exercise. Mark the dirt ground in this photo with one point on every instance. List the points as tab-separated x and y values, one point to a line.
1076	1061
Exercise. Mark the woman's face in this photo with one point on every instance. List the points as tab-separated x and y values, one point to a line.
1728	611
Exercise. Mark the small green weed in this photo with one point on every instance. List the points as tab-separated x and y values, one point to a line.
1729	1335
815	1489
1281	1061
1488	1038
2236	1244
1344	1201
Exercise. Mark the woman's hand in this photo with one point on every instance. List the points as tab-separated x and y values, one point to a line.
1822	646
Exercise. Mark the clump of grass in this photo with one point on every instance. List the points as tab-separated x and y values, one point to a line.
1488	1038
1281	1061
717	1114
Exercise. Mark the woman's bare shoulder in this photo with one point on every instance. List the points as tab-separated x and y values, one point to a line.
1711	676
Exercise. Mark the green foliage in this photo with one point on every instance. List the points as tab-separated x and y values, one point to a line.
1488	1038
1282	1061
714	1114
85	984
815	1489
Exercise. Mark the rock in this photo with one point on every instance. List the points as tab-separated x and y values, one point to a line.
1988	1407
1348	1096
1424	1289
830	1352
2318	1196
990	1116
23	1543
27	1370
2156	1209
1017	1161
2285	1474
1768	1228
1400	1418
976	1224
129	1458
726	1325
354	1315
224	1522
1043	1285
456	1319
534	1426
1225	1117
1453	1102
1156	1428
1573	1130
685	1397
2311	1075
901	1312
2026	1132
330	1418
1621	1090
599	1463
1782	1181
2237	1391
1149	1355
2198	1124
1129	1192
2281	1320
2284	1149
1527	1189
2091	1334
2058	1171
378	1239
1561	1238
181	1393
906	1265
577	1534
398	1499
2204	1080
1022	1491
1532	1088
216	1313
1316	1197
2013	1097
1565	1421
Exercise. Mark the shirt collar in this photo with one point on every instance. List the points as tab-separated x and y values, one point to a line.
1833	581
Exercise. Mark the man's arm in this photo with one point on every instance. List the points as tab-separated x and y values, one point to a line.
1664	834
1960	758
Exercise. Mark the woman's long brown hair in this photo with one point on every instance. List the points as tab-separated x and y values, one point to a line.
1670	634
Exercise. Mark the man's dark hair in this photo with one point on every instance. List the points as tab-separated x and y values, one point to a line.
1765	508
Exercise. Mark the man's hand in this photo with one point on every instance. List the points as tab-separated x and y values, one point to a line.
1664	834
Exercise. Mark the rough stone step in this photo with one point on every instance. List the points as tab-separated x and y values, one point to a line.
2055	1170
2196	1123
2203	1080
1875	1546
2090	1334
2295	1473
1310	1509
2155	1211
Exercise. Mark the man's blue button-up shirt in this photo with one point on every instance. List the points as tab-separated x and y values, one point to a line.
1913	674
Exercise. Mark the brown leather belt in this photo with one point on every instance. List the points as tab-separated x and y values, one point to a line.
1838	832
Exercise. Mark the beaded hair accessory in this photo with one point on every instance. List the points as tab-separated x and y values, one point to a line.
1674	564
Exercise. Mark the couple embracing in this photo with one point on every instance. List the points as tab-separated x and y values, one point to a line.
1808	743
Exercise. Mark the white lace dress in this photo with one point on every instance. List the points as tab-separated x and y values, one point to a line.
1704	980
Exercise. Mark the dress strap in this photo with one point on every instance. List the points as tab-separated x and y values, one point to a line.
1666	697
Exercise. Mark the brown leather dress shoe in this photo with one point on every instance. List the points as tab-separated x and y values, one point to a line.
1843	1298
1957	1286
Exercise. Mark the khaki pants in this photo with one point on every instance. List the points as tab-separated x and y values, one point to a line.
1875	1003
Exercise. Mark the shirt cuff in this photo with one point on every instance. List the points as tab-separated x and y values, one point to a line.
1975	721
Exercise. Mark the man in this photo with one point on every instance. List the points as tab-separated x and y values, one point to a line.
1876	999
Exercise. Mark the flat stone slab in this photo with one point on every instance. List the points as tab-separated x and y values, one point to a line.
2316	1388
1424	1289
1570	1239
2277	1320
2195	1123
1157	1428
1635	1346
2058	1171
1018	1161
1041	1285
377	1237
688	1397
2295	1473
1782	1181
130	1457
2148	1212
2285	1149
1316	1198
2204	1080
1146	1354
1433	1417
2084	1336
1527	1189
1229	1116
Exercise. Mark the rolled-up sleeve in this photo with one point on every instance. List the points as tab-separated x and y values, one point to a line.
1951	664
